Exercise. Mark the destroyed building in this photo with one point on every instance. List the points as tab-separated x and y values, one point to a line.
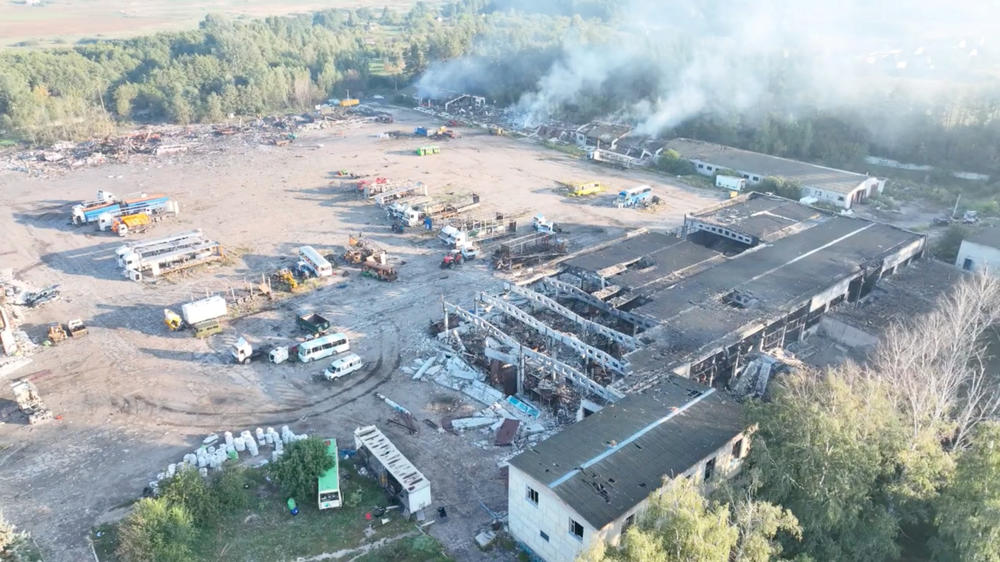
591	480
838	187
747	276
980	251
602	135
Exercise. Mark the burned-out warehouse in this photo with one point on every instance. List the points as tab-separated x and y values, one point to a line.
749	275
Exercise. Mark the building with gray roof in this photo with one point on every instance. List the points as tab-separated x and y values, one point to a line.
839	187
590	480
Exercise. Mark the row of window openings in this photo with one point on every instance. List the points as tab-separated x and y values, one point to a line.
747	176
576	529
725	232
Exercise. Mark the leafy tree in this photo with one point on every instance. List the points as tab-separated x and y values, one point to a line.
189	490
968	517
670	161
300	465
156	530
947	247
679	524
780	186
825	449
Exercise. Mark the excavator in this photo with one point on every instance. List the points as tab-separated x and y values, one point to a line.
286	277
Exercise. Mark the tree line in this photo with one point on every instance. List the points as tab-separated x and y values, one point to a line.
222	68
862	463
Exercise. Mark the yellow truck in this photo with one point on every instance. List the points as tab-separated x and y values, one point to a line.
582	189
131	223
349	102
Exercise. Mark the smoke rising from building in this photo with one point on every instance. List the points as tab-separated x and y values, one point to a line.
665	62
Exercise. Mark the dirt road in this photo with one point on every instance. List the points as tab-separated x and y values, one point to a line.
133	396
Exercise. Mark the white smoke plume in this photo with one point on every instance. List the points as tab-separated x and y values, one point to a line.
748	57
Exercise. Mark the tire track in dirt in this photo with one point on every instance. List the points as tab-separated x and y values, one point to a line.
388	362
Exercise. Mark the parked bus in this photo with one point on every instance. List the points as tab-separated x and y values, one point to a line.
639	196
323	346
328	483
315	263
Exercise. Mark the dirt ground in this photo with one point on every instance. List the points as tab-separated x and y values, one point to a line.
133	396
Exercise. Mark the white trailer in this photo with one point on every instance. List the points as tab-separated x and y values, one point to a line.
165	255
201	310
393	470
731	182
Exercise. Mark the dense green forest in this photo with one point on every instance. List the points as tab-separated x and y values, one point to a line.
513	51
223	67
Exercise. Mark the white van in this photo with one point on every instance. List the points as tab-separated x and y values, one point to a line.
343	366
323	346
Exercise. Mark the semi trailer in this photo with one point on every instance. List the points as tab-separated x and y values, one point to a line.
165	255
107	206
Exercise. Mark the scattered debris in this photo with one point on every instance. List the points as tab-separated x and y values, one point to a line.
29	402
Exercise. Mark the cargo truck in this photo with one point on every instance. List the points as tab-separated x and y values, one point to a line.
109	207
313	323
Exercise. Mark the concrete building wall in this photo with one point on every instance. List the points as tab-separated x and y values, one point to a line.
973	256
551	515
543	527
865	189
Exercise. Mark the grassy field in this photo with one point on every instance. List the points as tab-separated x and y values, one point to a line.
63	22
266	531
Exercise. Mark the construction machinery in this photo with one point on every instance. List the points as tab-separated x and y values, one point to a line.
286	278
380	271
173	320
349	102
76	328
451	259
56	333
29	402
165	255
497	131
360	249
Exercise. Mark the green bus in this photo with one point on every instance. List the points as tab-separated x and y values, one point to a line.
328	484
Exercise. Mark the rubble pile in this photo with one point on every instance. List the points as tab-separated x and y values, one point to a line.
155	141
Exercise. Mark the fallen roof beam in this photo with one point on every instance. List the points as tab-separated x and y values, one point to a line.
588	325
576	377
562	288
574	343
